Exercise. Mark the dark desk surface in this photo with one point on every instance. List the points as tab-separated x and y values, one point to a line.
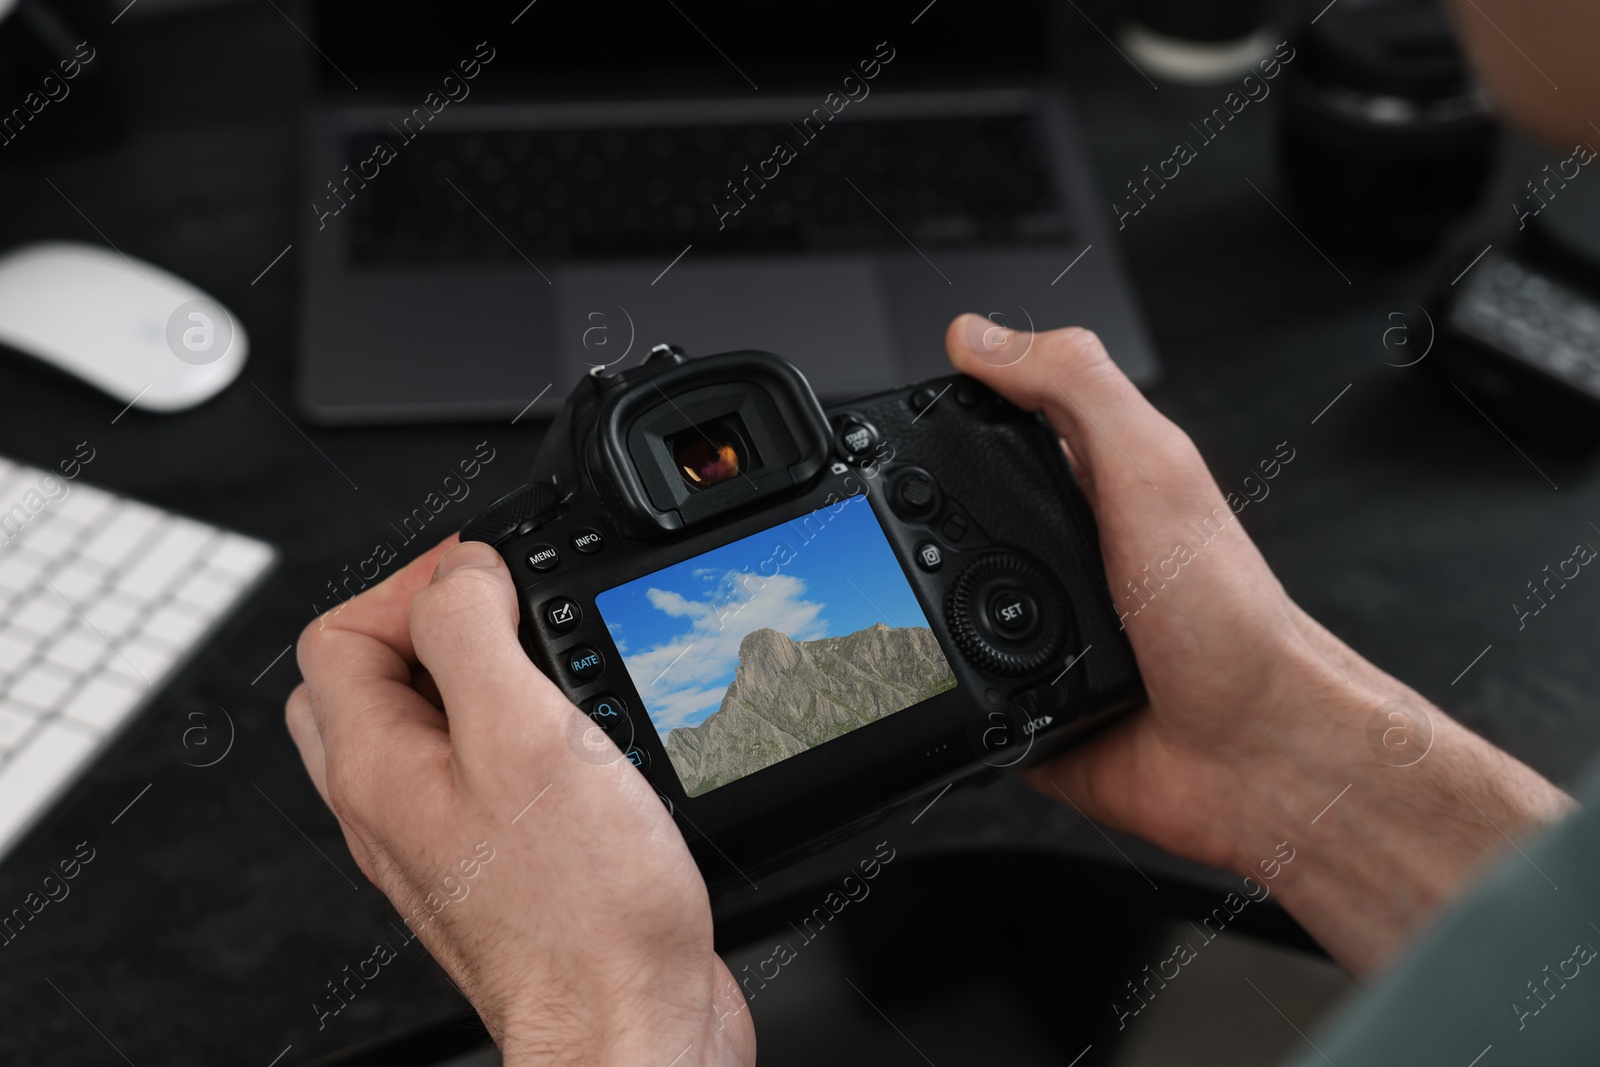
222	902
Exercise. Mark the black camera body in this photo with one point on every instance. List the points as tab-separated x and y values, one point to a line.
794	621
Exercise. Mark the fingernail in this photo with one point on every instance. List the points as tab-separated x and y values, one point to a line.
466	554
984	337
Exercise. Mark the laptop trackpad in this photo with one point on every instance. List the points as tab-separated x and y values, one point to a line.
828	316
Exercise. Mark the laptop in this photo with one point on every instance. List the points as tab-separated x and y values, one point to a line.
500	197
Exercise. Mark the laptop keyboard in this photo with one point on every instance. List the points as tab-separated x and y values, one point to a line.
101	599
596	193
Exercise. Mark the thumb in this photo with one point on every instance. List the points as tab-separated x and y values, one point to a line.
464	629
1113	431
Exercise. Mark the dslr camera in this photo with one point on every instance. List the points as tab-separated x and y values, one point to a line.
796	621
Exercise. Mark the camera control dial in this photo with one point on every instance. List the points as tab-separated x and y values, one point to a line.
1006	613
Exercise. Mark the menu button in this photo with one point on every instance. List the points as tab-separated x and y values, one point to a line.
544	557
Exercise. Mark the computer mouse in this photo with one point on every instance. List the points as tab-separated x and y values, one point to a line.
145	336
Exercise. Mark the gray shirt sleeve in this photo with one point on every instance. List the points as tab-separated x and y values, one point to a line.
1510	975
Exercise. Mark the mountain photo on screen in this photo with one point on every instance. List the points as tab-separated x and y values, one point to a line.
774	644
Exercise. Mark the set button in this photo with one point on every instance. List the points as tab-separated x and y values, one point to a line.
1013	613
584	663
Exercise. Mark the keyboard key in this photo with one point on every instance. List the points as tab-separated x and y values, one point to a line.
77	650
113	615
41	686
14	726
120	666
43	612
35	773
78	583
129	526
15	649
240	556
173	553
149	658
105	701
85	504
207	590
176	626
47	536
17	572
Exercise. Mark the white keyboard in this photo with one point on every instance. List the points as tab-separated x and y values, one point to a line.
101	599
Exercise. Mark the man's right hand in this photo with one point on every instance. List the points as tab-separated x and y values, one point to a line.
1258	717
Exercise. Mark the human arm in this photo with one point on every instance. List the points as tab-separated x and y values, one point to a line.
1537	59
1258	717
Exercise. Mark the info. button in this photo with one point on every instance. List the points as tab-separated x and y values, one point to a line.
583	663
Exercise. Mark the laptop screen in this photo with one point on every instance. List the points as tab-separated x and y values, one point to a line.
570	47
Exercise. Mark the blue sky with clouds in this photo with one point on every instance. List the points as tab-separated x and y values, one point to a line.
679	629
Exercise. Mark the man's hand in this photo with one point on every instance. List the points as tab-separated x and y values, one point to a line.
585	936
1258	718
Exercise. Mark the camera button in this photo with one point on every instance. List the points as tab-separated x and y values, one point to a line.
915	496
638	757
954	529
857	438
929	558
562	614
584	663
588	540
544	558
609	713
923	398
1013	613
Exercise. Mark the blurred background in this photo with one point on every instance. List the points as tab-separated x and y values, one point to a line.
385	239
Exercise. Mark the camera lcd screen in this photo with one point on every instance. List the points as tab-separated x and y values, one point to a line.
774	644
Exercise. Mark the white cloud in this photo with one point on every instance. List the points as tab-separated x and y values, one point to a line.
686	677
672	710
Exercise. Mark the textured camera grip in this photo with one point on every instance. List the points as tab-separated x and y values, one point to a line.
502	518
1006	467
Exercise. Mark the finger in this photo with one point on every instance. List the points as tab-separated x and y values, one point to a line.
1111	429
464	628
382	740
422	681
1077	776
382	611
303	730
